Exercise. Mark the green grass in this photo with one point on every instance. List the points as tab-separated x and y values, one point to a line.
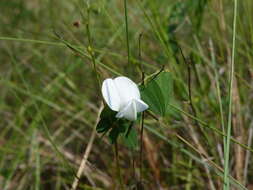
50	76
231	86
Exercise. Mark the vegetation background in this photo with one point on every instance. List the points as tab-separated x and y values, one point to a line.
50	100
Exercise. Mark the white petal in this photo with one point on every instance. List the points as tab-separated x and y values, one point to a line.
140	105
127	89
111	94
129	112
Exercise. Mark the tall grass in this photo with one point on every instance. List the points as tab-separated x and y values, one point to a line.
229	125
55	54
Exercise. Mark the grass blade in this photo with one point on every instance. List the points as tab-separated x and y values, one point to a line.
226	185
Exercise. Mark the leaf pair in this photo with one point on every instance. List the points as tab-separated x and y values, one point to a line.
157	92
116	128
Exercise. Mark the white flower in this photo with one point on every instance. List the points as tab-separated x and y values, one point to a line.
122	95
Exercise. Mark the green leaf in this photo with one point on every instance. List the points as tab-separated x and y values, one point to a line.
107	113
103	125
157	92
130	138
164	80
152	95
113	135
107	119
119	127
116	127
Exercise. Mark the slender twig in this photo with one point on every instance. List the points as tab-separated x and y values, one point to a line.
229	124
152	115
86	153
190	90
156	74
189	83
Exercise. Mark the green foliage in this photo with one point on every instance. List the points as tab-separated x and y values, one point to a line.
107	120
49	97
130	137
181	9
115	132
116	128
157	92
193	9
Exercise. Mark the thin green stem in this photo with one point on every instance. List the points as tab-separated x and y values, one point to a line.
127	32
140	60
91	52
117	165
226	185
141	144
143	114
217	86
63	43
204	124
189	176
31	41
218	91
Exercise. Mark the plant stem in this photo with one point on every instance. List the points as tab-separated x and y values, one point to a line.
143	113
127	33
141	144
140	59
226	185
218	92
91	52
117	165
